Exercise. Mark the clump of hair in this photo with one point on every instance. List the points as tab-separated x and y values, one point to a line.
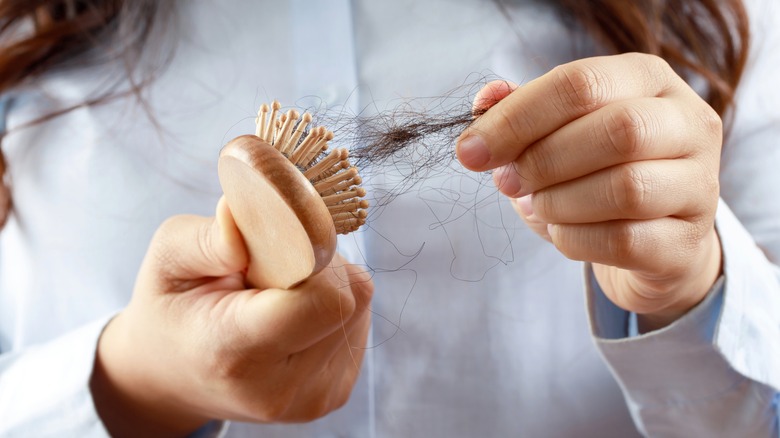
415	138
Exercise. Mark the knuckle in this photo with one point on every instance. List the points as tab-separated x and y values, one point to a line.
280	402
228	362
629	132
162	239
511	126
208	247
655	67
320	407
333	303
538	167
631	190
656	63
274	410
336	308
313	404
164	261
711	191
163	247
168	225
708	189
565	247
704	187
206	244
683	246
545	206
712	124
304	414
623	241
581	86
362	290
573	242
240	379
343	396
696	231
223	366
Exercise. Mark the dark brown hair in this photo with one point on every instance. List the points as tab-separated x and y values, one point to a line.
38	37
707	38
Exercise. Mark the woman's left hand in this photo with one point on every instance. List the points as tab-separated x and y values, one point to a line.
614	160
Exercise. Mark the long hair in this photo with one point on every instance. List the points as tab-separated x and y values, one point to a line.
708	38
38	37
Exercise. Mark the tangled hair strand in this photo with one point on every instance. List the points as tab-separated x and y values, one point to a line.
38	37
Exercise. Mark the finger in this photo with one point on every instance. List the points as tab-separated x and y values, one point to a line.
349	334
319	378
523	207
362	286
293	320
491	94
329	380
345	337
661	247
632	130
189	247
362	289
638	190
565	93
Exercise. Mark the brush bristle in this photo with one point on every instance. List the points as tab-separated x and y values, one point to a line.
329	171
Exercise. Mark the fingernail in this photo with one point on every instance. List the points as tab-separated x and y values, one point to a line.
550	229
473	152
507	180
526	206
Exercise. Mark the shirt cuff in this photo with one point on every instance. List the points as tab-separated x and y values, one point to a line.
44	390
653	366
710	371
749	327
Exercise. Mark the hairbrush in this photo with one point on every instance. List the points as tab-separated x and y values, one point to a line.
290	195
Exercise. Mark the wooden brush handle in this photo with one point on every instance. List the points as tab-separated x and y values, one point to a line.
286	226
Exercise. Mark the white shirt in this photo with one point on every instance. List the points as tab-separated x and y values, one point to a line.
481	328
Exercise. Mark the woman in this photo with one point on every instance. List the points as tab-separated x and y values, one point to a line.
480	329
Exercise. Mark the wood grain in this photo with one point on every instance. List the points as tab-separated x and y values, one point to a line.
287	228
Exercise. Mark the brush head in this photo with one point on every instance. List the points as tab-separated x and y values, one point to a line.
287	228
289	196
329	171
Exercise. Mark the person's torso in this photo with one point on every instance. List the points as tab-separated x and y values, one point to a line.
480	326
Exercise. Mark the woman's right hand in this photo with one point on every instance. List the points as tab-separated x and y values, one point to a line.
195	345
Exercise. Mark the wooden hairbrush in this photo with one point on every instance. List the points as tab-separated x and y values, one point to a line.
289	196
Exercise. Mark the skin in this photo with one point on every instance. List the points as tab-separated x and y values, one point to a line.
615	161
194	344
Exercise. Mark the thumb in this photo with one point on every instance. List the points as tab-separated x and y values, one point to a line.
295	319
189	247
470	148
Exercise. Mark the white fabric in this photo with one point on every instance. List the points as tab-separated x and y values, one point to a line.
481	327
710	391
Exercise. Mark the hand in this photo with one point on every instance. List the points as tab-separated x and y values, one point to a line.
614	160
195	345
